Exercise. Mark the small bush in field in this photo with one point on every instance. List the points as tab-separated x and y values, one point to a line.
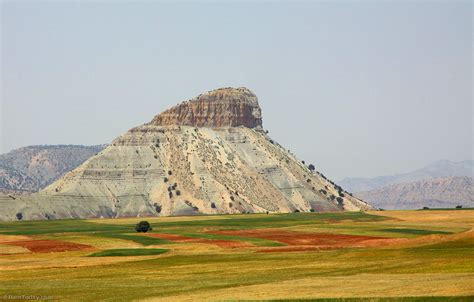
143	227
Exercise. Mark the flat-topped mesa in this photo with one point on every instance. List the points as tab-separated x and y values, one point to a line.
224	107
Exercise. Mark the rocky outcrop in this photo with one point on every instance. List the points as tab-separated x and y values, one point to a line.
225	107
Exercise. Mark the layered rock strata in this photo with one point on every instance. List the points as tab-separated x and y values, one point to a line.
225	107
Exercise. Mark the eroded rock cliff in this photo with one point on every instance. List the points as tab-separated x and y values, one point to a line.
225	107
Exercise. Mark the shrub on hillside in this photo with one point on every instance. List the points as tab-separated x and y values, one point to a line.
19	216
157	207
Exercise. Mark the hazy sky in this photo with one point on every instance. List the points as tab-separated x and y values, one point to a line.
357	88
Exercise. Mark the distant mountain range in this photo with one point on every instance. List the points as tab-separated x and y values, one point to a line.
444	192
441	184
441	168
30	169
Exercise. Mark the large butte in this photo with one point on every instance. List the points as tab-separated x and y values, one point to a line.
208	155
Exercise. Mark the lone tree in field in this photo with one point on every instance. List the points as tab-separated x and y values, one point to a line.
143	226
311	167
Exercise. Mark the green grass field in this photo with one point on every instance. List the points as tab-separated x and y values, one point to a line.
377	256
128	252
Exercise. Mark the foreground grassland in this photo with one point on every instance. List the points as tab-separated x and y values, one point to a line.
378	256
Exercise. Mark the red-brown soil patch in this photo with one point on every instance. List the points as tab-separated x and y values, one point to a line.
302	241
221	243
49	246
